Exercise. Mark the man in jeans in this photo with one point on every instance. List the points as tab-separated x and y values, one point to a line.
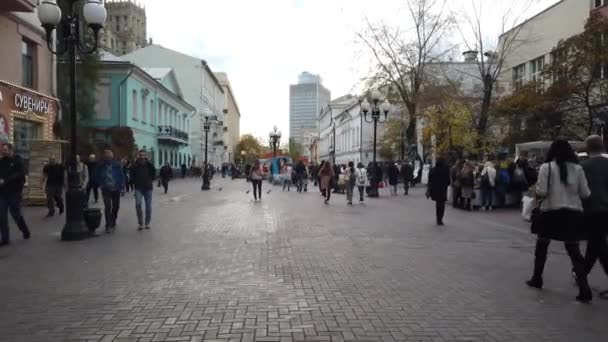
53	181
596	206
111	180
143	174
12	179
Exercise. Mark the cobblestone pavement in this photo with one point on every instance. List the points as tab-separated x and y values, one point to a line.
217	266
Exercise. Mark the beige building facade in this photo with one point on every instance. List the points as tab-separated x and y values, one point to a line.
232	119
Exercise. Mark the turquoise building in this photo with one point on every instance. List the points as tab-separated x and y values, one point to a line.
150	102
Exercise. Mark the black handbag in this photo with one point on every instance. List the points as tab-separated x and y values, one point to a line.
538	217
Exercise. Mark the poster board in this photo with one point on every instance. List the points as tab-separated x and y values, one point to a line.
39	153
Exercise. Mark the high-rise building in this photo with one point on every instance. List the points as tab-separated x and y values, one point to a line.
125	29
306	99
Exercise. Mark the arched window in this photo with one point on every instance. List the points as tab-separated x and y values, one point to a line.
151	112
134	104
144	103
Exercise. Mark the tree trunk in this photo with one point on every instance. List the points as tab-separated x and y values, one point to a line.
488	87
411	128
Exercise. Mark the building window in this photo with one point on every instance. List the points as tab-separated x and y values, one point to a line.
27	64
143	107
134	104
536	67
519	76
151	112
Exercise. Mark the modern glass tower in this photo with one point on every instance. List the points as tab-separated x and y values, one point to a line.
306	99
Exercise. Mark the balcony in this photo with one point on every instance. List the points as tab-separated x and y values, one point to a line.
168	133
17	5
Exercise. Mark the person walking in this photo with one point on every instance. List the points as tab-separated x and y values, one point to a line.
300	175
488	182
407	175
142	175
92	185
361	174
286	174
184	170
327	176
437	190
456	186
561	185
12	179
53	181
111	180
83	173
596	206
467	183
166	174
256	175
351	181
393	178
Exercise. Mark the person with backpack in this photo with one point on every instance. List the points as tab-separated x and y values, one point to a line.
351	180
361	176
488	182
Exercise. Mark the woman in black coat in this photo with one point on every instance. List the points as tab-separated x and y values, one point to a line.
439	181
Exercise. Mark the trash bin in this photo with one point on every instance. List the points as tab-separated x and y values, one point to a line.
92	218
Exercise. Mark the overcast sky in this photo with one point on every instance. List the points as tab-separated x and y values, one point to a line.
263	45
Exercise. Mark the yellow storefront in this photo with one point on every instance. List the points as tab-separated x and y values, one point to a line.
26	120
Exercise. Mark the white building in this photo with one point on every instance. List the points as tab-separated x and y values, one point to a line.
201	89
536	37
305	102
353	136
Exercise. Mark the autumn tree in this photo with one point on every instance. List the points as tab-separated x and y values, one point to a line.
295	150
250	145
473	27
451	125
580	72
401	54
390	140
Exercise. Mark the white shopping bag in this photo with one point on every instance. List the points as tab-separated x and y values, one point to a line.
529	203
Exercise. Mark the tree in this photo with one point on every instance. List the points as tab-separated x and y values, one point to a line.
580	71
250	145
391	139
295	149
401	60
451	124
87	75
490	68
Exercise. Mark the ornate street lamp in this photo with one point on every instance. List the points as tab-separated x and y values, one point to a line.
94	14
274	140
375	110
207	127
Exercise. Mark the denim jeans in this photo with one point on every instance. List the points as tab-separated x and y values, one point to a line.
147	197
111	204
12	203
486	197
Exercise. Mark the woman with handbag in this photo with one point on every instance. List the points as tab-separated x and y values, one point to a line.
561	186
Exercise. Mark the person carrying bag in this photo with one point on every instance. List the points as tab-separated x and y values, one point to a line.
561	186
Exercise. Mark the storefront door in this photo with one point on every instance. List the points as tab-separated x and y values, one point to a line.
23	132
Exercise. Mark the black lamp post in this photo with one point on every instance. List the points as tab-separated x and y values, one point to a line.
332	124
375	118
274	140
94	14
206	127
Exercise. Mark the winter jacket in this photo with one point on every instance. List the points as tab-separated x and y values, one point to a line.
12	171
491	172
110	176
142	175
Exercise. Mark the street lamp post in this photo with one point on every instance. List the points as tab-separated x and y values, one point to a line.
50	16
375	118
274	138
332	124
206	128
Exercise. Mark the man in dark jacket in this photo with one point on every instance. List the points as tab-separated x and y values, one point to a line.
596	206
166	173
300	172
111	179
12	179
142	175
92	185
53	181
439	180
407	175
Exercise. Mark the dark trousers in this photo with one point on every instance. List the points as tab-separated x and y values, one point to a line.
597	248
487	195
326	194
361	192
439	211
111	204
456	197
257	188
92	187
406	186
12	203
574	252
165	183
54	196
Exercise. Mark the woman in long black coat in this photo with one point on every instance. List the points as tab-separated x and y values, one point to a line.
439	181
